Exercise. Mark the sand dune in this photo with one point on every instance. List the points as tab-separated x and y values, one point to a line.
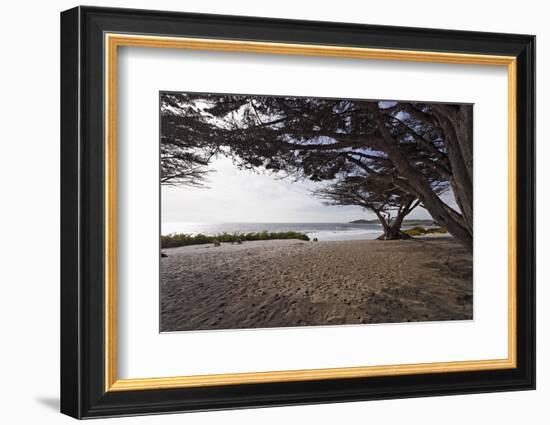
293	283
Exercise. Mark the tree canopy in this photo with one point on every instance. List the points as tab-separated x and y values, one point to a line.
417	149
389	203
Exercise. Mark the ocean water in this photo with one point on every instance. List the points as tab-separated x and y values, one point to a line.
321	231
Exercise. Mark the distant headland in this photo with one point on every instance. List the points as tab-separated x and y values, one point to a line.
363	221
412	222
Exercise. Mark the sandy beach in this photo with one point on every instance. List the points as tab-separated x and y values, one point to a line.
281	283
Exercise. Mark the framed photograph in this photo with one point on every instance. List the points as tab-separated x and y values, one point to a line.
261	212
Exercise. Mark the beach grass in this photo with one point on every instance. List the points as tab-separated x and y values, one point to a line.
174	240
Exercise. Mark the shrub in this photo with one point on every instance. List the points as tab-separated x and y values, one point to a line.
419	230
415	231
181	239
436	230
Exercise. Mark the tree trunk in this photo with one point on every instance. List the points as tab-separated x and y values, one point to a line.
393	233
458	129
439	211
392	227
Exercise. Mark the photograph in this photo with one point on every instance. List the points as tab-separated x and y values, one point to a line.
288	211
279	210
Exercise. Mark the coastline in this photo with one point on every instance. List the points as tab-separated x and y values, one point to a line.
279	283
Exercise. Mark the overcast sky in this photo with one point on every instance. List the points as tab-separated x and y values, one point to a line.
235	195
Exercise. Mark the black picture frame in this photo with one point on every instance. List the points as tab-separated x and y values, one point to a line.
83	392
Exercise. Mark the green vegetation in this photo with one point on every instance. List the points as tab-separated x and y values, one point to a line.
181	239
418	222
415	231
419	230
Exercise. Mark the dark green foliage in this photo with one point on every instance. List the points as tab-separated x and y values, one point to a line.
181	239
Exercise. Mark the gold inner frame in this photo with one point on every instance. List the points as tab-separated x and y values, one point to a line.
113	41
